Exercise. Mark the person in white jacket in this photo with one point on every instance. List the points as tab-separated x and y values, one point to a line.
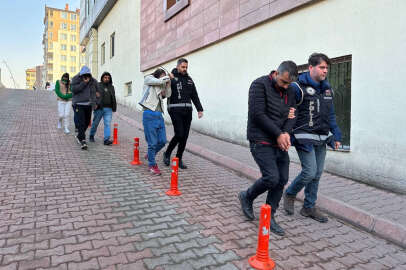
157	86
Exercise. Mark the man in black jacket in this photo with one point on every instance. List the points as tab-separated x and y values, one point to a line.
84	99
180	110
271	105
106	104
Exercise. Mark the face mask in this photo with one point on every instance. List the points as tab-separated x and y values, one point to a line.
64	80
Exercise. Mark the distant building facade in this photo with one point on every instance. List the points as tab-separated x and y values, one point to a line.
60	43
30	77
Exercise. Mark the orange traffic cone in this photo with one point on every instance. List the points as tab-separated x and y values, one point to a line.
115	140
174	178
136	160
261	260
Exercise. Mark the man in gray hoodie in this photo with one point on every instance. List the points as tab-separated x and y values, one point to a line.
84	99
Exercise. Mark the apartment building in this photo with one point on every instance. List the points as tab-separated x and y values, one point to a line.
60	43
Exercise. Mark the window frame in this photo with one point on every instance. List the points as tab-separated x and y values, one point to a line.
112	44
129	93
336	60
175	9
103	53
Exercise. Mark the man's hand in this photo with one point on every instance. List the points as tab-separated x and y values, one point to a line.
199	114
171	75
337	145
97	94
283	141
291	114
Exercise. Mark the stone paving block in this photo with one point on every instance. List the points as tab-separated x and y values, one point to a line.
72	257
86	265
164	250
153	243
34	264
187	244
151	263
94	253
7	259
112	260
139	265
58	251
202	263
12	266
225	257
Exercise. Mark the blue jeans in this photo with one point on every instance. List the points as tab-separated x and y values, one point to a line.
107	114
155	133
312	167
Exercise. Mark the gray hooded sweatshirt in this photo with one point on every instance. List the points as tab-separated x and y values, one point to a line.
83	93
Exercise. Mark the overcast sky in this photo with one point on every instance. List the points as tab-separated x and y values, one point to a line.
21	28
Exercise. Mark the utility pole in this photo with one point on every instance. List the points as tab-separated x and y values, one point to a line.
11	74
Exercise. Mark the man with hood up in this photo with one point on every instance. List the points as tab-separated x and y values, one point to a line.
180	110
84	99
106	104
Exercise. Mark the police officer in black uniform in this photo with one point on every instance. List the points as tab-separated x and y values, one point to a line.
180	110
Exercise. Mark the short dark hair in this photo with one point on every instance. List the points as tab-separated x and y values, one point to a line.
158	72
272	72
316	58
182	60
290	67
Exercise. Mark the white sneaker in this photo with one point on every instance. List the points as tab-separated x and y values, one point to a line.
67	131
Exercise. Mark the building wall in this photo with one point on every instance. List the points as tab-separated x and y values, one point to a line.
376	41
123	20
201	23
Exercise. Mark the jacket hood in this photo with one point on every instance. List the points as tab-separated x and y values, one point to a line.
176	73
305	78
104	74
84	70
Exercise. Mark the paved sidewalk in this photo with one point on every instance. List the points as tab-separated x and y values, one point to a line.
64	208
372	209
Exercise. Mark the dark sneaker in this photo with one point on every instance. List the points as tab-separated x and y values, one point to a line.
91	138
182	165
275	228
155	170
108	142
289	204
314	214
167	160
83	145
246	205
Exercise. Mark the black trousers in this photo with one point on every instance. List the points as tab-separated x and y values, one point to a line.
274	166
83	116
75	117
181	120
